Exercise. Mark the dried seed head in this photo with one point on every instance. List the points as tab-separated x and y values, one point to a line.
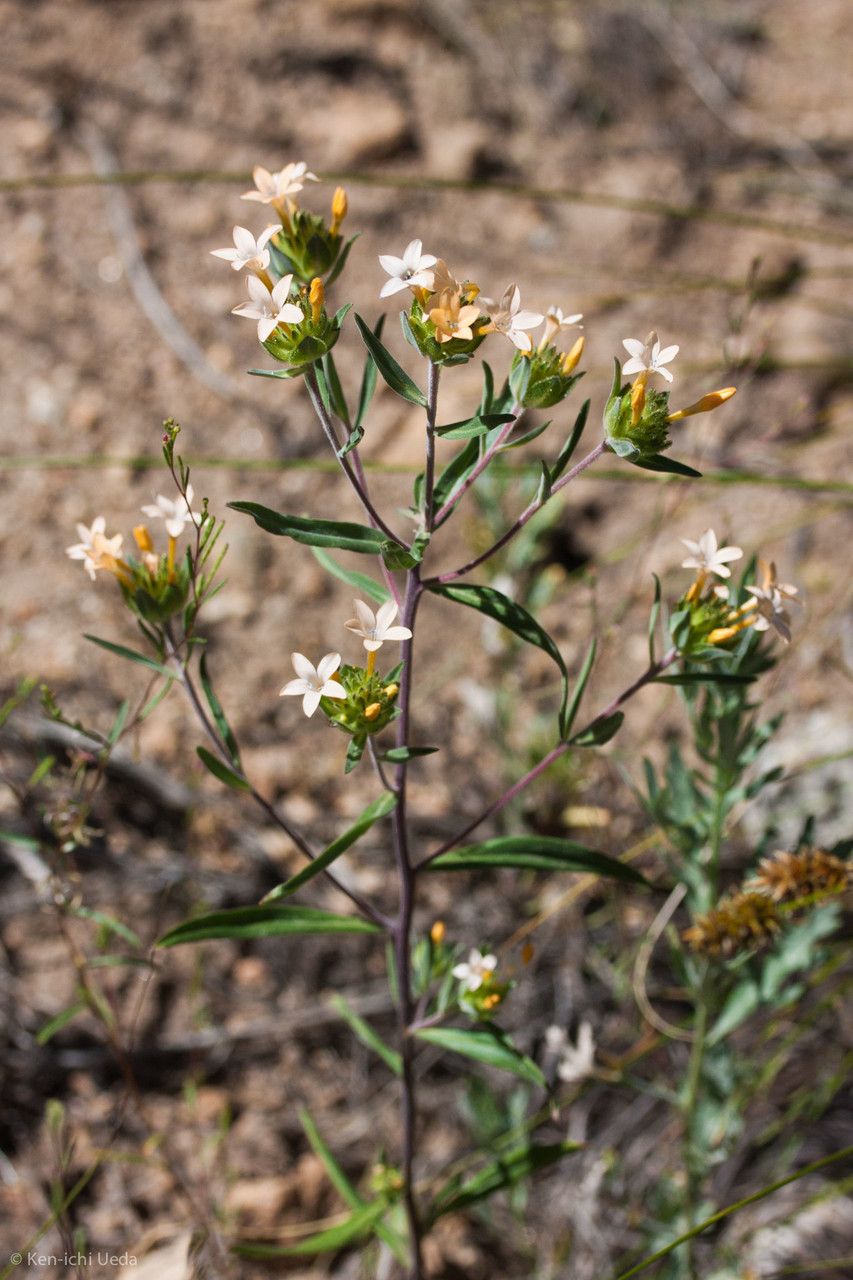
787	877
739	923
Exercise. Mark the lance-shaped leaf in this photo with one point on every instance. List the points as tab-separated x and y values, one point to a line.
132	656
456	473
578	691
378	809
505	1171
660	462
221	770
368	1036
479	425
600	731
396	377
216	711
488	1045
327	372
571	444
705	677
368	380
510	615
398	755
263	922
359	1224
368	586
315	533
533	853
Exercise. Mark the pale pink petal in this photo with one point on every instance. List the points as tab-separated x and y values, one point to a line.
303	667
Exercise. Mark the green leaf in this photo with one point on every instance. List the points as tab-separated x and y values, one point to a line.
543	491
396	377
341	263
653	618
660	462
216	711
378	809
368	381
704	677
368	1036
118	724
527	436
263	922
510	615
488	1045
107	922
505	1171
132	656
578	691
600	731
571	444
397	755
221	771
361	1223
456	473
479	425
336	392
533	853
60	1020
352	441
368	586
315	533
355	750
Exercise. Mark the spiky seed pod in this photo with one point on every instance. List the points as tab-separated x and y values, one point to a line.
788	877
739	923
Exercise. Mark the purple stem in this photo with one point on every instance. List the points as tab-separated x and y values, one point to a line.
536	505
653	670
451	502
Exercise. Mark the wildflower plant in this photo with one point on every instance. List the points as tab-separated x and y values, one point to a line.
448	993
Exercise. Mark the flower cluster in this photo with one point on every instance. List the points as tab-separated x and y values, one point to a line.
480	992
155	585
742	922
705	618
794	877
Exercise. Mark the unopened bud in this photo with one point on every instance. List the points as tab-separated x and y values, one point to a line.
572	358
339	209
712	400
143	538
391	690
371	712
317	298
638	401
437	933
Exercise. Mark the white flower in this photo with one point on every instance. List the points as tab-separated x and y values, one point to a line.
511	321
176	512
770	599
314	682
647	357
476	971
95	549
410	271
575	1061
269	309
708	557
247	251
376	628
555	321
271	187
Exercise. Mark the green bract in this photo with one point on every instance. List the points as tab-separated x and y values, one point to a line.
644	439
538	380
308	248
373	694
419	331
692	623
157	597
300	345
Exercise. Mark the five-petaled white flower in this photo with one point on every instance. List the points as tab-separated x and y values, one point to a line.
575	1061
176	512
410	271
770	599
269	309
314	683
708	557
272	187
648	357
477	970
375	628
247	251
95	549
510	320
555	321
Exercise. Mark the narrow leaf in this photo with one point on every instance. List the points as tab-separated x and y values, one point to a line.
221	771
132	656
578	691
397	755
314	533
107	922
527	436
571	444
368	381
396	377
653	618
506	1171
600	731
368	1036
484	1044
378	809
263	922
534	853
361	1223
479	425
355	750
336	391
216	711
368	586
660	462
704	677
59	1021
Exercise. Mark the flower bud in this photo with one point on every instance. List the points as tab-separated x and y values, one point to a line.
317	298
712	400
339	209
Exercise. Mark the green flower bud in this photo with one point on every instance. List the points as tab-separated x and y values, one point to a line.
540	380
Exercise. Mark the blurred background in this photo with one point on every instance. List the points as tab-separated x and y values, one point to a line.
684	167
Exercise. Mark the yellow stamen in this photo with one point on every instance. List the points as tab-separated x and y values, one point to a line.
712	400
170	562
696	589
371	661
317	298
143	538
572	359
437	933
721	634
339	209
638	400
264	277
371	712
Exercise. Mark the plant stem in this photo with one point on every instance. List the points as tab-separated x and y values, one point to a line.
433	370
487	457
653	670
402	932
536	505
